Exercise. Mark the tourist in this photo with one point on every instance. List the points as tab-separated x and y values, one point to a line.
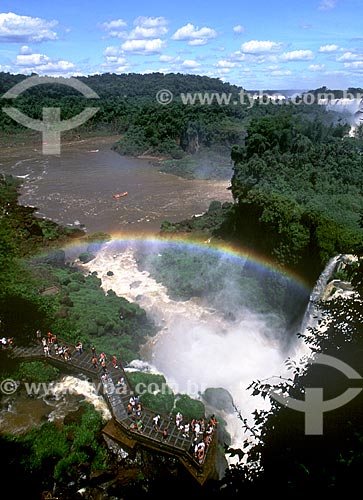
121	383
114	361
156	421
186	429
138	409
79	348
178	419
139	425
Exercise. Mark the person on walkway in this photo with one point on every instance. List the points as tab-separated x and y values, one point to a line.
178	419
94	362
138	409
79	348
122	384
156	421
139	425
165	433
103	366
114	362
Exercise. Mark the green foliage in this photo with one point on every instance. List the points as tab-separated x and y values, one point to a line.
85	257
36	371
298	189
56	453
47	446
190	408
153	390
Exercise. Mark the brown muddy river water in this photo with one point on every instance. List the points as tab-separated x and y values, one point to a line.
77	187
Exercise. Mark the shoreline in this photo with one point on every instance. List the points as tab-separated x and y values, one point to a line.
18	146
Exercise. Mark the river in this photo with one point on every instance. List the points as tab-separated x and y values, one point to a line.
76	188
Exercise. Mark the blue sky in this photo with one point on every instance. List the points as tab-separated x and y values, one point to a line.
258	45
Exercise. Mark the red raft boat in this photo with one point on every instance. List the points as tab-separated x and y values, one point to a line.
120	195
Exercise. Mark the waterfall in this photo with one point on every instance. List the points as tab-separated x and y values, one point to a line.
351	109
311	316
198	347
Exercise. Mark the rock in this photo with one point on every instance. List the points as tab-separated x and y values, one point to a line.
219	398
74	417
86	257
55	258
98	477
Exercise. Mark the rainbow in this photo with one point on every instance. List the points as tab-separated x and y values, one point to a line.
238	254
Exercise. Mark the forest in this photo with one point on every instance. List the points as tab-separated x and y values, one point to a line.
296	178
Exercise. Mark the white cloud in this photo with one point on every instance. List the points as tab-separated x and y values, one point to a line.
115	28
354	65
316	67
239	29
327	4
143	47
150	22
193	35
141	32
238	56
225	64
114	25
297	55
29	60
260	46
25	49
170	59
149	27
349	56
5	69
189	63
112	51
115	60
115	64
42	64
25	29
280	72
328	48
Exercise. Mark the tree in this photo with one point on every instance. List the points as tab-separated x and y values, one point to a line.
283	454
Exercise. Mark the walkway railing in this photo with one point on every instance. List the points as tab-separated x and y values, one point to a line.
176	442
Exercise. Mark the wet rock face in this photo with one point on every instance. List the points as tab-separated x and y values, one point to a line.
219	398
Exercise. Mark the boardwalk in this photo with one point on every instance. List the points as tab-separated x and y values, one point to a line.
122	429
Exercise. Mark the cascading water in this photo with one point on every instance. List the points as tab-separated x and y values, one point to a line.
351	109
196	346
51	402
311	316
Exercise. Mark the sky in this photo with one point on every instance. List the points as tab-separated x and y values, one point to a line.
257	45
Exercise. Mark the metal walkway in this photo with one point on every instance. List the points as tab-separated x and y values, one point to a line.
176	443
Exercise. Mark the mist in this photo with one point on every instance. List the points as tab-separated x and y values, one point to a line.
218	339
